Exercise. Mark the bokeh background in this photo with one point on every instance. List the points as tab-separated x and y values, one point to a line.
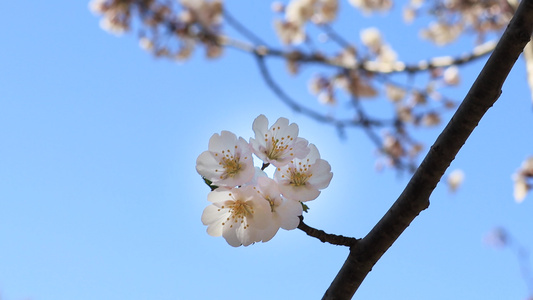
99	197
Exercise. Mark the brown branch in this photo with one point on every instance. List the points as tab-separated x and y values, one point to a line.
368	66
415	198
324	237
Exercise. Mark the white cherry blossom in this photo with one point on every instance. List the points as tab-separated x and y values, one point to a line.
227	162
299	11
302	179
285	212
279	144
239	215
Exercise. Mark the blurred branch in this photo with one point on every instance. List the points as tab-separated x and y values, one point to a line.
500	237
304	110
415	197
369	66
324	237
233	22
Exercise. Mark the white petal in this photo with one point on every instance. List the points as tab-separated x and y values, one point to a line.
229	233
301	148
299	193
226	140
262	213
313	154
288	214
214	217
260	127
207	166
280	124
268	187
268	233
220	196
520	190
322	175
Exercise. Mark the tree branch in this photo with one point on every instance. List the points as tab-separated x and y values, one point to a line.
415	198
324	237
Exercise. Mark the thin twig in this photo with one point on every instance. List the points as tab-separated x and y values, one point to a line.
242	29
324	237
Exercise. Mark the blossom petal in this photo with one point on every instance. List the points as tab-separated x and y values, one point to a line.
289	213
208	166
260	126
299	193
322	175
214	217
230	235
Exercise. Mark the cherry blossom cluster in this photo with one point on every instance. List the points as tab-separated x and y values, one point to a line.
247	206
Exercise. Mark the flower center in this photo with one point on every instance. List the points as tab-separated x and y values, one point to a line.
299	179
299	174
239	210
276	147
231	164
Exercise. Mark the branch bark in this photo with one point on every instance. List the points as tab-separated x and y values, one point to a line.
415	198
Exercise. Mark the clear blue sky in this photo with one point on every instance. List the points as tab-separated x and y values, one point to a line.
99	197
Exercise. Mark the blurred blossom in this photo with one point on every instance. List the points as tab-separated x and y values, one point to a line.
394	93
299	11
146	43
442	34
289	33
409	14
326	97
431	119
451	76
369	6
521	186
277	7
455	179
371	37
497	237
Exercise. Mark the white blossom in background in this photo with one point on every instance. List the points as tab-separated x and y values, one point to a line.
115	15
326	11
285	212
455	179
394	93
521	186
239	215
289	33
278	144
371	37
451	76
385	55
302	179
369	6
227	162
441	34
299	11
209	13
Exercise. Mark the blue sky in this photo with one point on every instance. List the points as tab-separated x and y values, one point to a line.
99	197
